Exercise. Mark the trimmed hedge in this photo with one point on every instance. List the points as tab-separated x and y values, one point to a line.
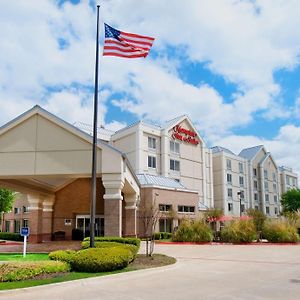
197	231
11	236
162	235
13	271
121	240
96	259
239	231
280	232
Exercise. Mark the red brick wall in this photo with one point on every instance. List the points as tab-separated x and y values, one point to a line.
74	199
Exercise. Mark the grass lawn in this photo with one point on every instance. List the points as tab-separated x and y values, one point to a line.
141	262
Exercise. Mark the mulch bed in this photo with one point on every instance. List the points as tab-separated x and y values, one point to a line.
156	260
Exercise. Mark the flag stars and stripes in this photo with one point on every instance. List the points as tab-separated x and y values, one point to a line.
123	44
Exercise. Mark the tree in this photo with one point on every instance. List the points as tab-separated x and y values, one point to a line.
7	198
259	219
291	201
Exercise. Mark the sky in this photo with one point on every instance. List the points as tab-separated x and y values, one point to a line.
232	66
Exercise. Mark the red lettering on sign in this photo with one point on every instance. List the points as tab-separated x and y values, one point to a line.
188	137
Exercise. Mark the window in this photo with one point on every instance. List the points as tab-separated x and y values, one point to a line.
174	165
241	194
229	193
25	210
174	147
276	210
16	210
241	180
274	177
68	222
17	226
256	207
266	184
151	142
241	167
165	207
287	179
25	223
274	187
230	207
255	196
228	164
186	209
7	226
254	172
165	225
229	178
275	199
267	198
152	162
267	210
255	184
266	174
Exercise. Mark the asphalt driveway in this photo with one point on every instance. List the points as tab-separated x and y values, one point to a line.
201	272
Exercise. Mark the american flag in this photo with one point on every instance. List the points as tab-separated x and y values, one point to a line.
123	44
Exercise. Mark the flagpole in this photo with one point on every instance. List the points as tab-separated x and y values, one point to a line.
94	159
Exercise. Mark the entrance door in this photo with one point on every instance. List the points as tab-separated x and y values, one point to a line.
83	224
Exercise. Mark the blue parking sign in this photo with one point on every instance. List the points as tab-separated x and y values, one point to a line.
24	231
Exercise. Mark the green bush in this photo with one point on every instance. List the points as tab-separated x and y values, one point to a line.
62	255
101	259
13	271
162	235
276	231
239	231
197	231
11	236
121	240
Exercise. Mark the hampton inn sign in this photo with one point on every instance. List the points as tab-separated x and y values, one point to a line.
184	135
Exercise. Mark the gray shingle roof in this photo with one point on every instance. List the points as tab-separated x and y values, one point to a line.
217	149
249	153
156	180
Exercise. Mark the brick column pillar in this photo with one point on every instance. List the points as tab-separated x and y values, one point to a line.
112	204
47	217
35	218
131	215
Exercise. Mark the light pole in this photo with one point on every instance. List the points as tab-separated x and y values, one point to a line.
239	193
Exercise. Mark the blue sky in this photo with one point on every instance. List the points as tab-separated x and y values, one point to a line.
231	66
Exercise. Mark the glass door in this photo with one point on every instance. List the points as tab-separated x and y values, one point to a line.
83	224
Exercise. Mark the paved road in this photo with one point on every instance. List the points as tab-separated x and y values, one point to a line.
202	272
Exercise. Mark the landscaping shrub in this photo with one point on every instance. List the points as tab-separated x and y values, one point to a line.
13	271
162	235
11	236
278	231
62	255
239	231
121	240
101	259
197	231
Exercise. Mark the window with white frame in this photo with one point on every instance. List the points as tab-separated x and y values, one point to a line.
174	165
17	226
267	198
267	210
276	210
25	223
254	172
274	187
164	207
275	199
17	210
25	210
151	142
228	164
255	184
241	167
274	176
174	147
266	184
229	193
186	209
152	162
229	178
287	179
266	174
241	180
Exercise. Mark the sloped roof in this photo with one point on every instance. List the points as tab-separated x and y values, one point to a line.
174	121
156	180
250	153
217	149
